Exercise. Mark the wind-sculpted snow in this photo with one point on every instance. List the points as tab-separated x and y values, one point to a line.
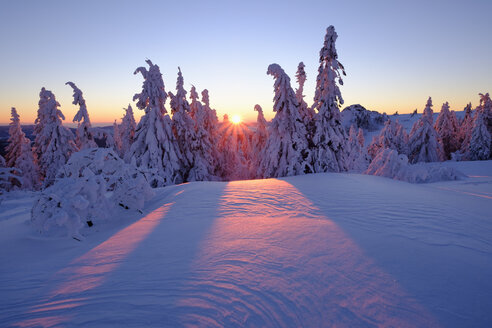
272	259
319	250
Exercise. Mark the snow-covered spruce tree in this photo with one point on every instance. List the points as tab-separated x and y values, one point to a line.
53	143
155	150
117	139
307	113
360	137
90	188
127	130
20	156
235	152
446	127
211	117
195	105
211	126
423	144
480	141
286	151
401	139
84	138
15	140
245	149
227	145
358	159
183	127
392	136
330	140
260	138
465	130
228	158
202	146
486	108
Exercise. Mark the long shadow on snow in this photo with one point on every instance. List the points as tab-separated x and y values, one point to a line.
438	251
273	259
131	278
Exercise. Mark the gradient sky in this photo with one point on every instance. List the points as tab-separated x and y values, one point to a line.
396	53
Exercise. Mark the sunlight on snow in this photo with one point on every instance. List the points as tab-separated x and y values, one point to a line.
90	270
249	264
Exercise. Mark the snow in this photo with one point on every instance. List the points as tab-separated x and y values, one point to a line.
315	250
388	163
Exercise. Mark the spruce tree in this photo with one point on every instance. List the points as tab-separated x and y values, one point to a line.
53	143
127	130
392	136
183	127
117	139
446	127
211	126
235	152
15	140
480	141
228	160
155	150
360	137
84	136
465	130
423	144
286	152
358	160
330	140
486	108
20	156
260	138
307	113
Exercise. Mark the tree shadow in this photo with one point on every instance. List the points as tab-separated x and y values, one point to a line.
273	259
424	239
131	272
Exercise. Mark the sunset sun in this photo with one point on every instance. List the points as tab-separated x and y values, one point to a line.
236	119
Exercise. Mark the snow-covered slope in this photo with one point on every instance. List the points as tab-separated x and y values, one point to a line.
318	250
360	117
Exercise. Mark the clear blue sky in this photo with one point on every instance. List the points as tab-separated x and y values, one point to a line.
396	53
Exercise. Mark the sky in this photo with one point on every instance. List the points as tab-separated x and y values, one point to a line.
396	53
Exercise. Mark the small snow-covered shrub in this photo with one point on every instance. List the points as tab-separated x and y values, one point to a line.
7	176
430	172
90	188
389	164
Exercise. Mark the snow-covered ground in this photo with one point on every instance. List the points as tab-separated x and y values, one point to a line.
319	250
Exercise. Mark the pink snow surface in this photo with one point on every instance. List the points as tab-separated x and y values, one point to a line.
320	250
